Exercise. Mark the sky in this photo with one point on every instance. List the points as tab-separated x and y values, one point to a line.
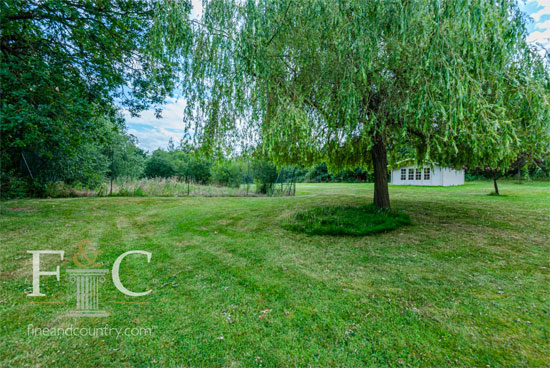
153	133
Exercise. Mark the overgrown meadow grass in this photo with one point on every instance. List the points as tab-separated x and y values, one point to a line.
466	284
150	187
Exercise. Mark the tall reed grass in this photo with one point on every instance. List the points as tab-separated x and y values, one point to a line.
153	187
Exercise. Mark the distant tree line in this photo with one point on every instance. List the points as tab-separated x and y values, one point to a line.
116	155
233	172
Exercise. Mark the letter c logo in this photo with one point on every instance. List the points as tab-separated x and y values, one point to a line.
116	276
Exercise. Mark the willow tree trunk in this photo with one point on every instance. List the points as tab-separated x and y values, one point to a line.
496	186
380	164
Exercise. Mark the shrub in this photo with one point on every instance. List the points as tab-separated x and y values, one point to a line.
12	186
228	174
58	190
265	174
160	164
138	192
102	190
357	175
192	167
355	221
319	174
200	170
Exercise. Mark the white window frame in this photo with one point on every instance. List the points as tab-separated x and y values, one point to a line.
427	173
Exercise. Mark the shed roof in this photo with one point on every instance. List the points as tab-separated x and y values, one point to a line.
410	162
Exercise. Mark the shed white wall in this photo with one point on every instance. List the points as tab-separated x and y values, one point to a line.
452	177
438	176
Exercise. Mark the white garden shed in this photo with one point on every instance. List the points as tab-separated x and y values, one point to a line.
429	175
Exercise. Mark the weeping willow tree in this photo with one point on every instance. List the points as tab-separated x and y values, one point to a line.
353	82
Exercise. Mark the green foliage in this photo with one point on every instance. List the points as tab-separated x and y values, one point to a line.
61	189
185	165
200	169
348	220
319	173
88	166
103	190
227	173
114	155
126	159
192	167
160	164
12	186
356	175
540	168
265	174
138	192
64	64
58	190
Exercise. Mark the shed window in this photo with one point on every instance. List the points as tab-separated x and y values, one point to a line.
418	174
427	173
403	174
411	174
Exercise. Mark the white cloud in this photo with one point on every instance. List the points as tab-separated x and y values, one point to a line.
540	37
544	11
153	133
172	115
150	140
196	11
543	25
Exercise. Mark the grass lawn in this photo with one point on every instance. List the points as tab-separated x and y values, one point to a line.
467	284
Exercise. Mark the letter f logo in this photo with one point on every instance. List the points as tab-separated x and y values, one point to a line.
36	273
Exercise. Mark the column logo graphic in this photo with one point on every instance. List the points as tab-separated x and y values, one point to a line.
87	283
